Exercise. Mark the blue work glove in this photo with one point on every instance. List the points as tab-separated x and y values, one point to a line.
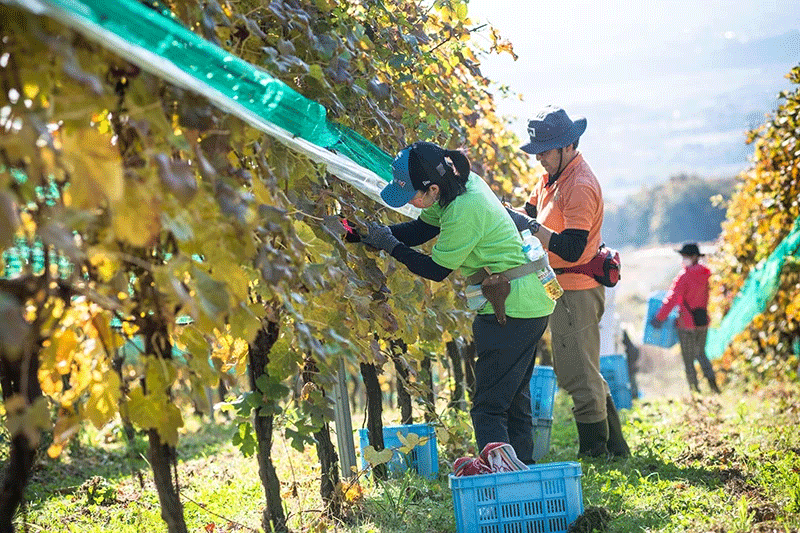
380	237
521	221
656	323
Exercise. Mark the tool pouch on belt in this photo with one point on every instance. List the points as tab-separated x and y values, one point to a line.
496	289
699	316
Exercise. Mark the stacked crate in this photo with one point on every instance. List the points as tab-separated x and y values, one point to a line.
543	390
614	369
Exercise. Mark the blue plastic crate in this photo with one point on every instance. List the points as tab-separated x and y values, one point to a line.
541	437
667	335
543	390
622	396
614	369
423	459
545	499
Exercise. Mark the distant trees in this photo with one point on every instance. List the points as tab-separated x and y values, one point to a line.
685	208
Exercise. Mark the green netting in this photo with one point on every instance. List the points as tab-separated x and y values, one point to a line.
23	257
758	290
158	44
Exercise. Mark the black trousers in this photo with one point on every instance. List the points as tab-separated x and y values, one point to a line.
501	408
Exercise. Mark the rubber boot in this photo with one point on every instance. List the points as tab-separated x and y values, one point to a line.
592	439
616	441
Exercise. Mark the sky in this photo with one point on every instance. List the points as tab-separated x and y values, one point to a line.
667	86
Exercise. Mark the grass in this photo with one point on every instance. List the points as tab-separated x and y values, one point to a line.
727	463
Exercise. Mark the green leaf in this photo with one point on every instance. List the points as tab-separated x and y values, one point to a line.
211	294
315	71
244	439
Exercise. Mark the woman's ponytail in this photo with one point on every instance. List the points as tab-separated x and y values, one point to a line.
461	163
454	181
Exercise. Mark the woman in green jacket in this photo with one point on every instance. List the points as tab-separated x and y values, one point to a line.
474	234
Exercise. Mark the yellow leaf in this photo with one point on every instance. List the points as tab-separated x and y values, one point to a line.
142	410
137	217
30	90
160	374
95	167
104	264
155	411
235	277
352	492
54	450
27	419
65	345
67	424
410	441
261	193
377	458
315	247
103	399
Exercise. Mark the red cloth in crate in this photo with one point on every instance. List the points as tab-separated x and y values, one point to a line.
495	457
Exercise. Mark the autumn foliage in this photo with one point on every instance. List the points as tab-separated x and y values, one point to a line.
760	215
184	229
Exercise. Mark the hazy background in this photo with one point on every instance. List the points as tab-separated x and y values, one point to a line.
667	86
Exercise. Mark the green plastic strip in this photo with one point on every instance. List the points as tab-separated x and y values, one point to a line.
166	49
758	290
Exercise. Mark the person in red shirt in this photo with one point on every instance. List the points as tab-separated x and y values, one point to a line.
689	290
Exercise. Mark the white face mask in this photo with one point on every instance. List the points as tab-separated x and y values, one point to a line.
687	261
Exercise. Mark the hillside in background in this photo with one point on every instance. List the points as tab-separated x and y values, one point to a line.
684	208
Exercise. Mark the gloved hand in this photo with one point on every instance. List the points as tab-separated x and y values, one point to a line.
380	237
521	221
656	323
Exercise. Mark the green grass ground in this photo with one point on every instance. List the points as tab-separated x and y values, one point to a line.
727	463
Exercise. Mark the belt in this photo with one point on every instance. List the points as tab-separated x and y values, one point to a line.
512	273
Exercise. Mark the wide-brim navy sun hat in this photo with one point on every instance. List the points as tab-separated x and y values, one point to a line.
552	128
401	189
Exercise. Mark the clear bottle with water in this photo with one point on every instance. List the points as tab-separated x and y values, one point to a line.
536	254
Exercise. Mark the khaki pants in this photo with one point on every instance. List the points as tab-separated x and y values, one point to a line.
575	327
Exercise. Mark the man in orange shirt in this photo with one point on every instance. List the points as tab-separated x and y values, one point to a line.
566	207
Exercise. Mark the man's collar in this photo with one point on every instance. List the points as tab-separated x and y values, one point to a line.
567	169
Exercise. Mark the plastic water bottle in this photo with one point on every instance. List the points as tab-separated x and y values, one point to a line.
536	254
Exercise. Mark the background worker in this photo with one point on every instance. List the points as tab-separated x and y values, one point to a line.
566	207
474	233
689	291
